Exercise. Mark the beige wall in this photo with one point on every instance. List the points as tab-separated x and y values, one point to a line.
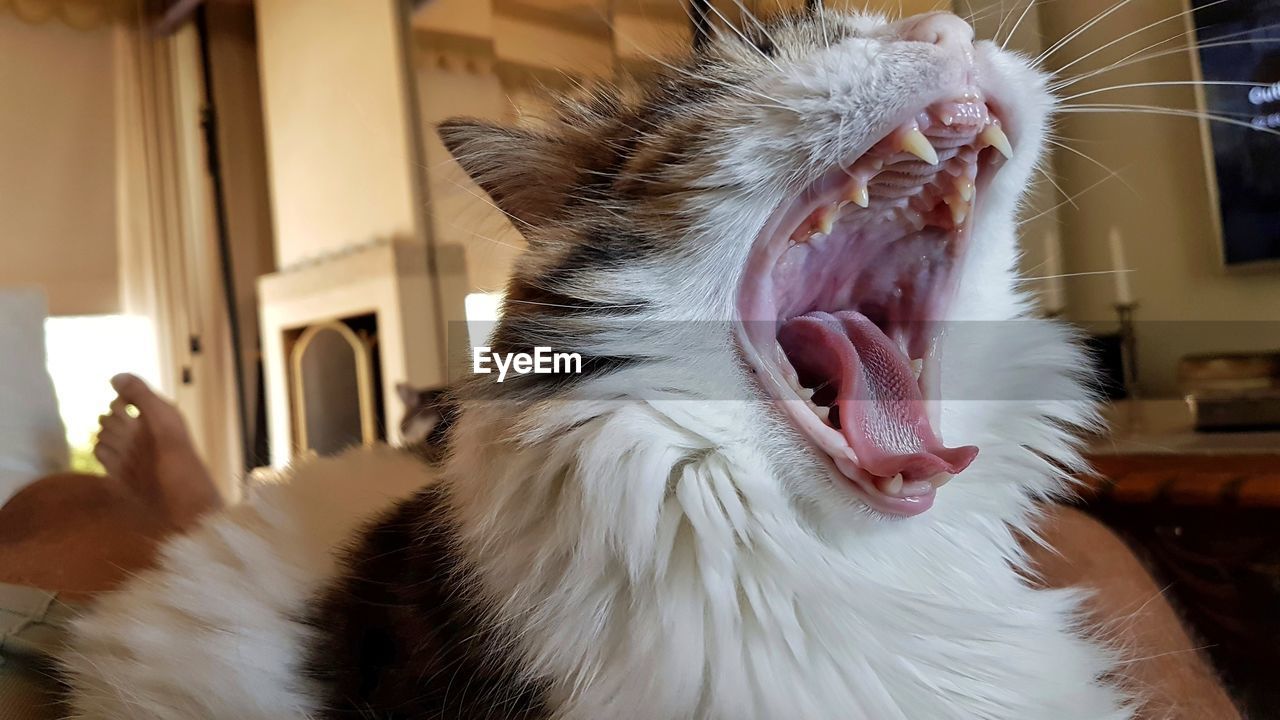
233	52
461	214
460	17
337	123
1186	300
57	164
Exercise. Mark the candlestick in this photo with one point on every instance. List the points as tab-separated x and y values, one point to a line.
1128	348
1124	293
1055	300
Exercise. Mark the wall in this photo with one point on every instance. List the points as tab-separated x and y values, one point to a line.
57	164
233	52
460	212
1160	201
337	123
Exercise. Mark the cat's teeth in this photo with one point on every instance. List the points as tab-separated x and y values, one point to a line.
917	367
890	486
940	479
858	193
993	136
958	207
825	220
914	142
964	187
804	393
823	412
913	218
916	488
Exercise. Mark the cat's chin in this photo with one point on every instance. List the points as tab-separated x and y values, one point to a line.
845	292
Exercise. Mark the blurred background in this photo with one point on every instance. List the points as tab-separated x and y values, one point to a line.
245	203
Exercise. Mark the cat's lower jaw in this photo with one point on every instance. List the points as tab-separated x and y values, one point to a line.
846	294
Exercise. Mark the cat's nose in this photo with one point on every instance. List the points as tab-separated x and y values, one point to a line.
939	28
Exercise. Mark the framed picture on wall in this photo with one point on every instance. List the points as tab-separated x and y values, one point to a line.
1238	57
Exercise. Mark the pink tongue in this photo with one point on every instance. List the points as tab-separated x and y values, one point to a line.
882	413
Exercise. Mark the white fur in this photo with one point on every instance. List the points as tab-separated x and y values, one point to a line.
214	631
680	553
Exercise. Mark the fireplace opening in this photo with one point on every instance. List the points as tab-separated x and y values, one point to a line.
335	383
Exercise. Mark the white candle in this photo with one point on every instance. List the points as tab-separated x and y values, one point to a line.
1055	298
1124	293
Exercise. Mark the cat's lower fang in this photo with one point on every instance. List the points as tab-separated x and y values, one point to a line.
959	208
858	193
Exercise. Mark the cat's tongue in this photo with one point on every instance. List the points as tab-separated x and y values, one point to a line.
882	413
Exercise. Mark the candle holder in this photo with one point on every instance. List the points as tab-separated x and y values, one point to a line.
1128	348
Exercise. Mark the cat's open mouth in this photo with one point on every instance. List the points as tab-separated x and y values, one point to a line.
845	292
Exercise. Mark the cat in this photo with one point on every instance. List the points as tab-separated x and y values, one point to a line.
428	414
787	262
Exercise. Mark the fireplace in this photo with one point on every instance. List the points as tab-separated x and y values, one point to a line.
335	385
338	333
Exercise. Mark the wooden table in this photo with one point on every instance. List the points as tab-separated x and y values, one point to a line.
1154	456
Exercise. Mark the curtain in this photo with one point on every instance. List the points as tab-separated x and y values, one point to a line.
57	197
169	266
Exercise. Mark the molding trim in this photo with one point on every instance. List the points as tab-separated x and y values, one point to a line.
433	42
520	75
595	27
77	14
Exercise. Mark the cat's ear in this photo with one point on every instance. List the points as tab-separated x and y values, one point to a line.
525	173
408	395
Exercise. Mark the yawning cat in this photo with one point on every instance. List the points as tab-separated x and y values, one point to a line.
813	409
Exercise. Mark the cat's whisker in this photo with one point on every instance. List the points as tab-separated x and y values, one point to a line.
485	199
1110	172
1069	200
1162	83
1005	43
774	103
574	307
1083	28
1142	29
764	30
1132	60
1157	110
742	36
1045	174
983	12
1004	18
1088	273
997	8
